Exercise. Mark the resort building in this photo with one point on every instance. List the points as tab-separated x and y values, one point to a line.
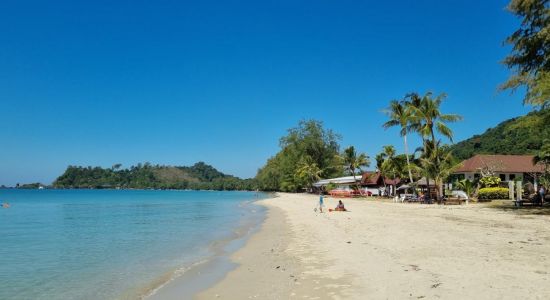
376	184
507	167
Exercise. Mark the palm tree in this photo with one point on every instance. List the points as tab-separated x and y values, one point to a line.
352	160
400	115
380	157
390	166
438	163
425	115
466	185
308	171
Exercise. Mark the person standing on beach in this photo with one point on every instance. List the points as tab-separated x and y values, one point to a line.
542	193
321	202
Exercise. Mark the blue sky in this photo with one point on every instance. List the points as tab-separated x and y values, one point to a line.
176	82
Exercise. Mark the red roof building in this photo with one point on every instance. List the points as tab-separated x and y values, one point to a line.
507	167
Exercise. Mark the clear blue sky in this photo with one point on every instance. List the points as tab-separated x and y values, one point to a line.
176	82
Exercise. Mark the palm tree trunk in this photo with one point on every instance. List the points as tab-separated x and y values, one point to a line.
436	184
407	155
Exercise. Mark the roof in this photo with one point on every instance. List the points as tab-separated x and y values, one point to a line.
339	180
371	178
375	178
423	182
501	163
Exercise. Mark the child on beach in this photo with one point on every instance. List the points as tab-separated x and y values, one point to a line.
321	204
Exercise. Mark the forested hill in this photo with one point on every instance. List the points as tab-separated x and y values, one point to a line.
521	135
146	176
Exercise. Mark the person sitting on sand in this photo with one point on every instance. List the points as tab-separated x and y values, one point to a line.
340	206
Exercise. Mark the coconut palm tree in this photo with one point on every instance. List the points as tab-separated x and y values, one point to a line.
466	185
425	115
400	115
308	171
352	161
391	167
438	163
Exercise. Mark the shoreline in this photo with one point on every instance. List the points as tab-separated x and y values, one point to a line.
190	280
390	250
266	270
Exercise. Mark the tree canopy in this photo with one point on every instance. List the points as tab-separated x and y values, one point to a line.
530	60
521	135
146	176
306	150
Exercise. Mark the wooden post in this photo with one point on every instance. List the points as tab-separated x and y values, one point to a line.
518	191
511	190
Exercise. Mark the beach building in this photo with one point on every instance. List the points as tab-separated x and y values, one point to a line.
507	167
339	181
375	183
343	185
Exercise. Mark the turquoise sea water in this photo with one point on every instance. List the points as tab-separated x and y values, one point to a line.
108	244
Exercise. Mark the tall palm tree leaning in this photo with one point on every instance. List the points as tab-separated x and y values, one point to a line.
400	115
353	161
425	116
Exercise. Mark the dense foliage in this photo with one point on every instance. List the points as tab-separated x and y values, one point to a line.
421	114
465	185
522	135
490	181
492	193
146	176
308	152
530	57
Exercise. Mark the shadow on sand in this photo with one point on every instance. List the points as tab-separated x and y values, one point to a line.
508	206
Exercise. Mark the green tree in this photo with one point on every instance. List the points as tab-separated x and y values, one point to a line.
438	163
529	60
393	166
466	185
351	160
400	115
426	119
308	172
309	139
543	158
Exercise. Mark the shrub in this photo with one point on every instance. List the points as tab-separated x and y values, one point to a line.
489	181
493	193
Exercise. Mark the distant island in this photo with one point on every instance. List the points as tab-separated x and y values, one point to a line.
521	135
200	176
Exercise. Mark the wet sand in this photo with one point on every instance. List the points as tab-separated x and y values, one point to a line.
391	251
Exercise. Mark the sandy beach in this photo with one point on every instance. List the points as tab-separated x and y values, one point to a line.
383	250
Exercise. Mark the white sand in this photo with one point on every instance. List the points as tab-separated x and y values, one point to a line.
381	250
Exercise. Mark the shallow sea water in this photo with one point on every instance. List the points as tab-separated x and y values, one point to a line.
112	244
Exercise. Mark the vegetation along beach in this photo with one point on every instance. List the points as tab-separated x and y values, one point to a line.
275	150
